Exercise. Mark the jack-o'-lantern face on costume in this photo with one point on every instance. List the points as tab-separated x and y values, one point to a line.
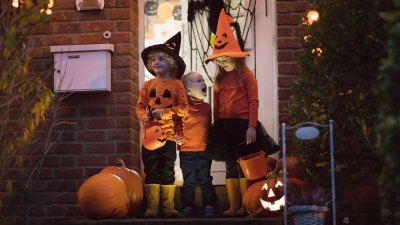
160	100
225	41
153	136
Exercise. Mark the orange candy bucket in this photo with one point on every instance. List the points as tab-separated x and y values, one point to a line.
254	165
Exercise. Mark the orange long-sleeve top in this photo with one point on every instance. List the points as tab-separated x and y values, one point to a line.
195	126
233	100
167	95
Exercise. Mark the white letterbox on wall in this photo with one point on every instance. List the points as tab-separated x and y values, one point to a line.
82	67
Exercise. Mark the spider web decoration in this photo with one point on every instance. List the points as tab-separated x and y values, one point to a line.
202	24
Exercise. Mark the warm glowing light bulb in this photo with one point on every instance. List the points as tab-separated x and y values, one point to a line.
15	3
307	37
51	3
312	16
317	51
49	11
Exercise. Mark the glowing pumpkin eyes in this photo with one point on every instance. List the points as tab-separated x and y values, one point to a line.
278	184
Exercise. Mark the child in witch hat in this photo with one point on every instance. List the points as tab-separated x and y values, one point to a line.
162	99
237	131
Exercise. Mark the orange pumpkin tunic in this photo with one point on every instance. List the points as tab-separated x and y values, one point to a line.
195	126
167	95
233	100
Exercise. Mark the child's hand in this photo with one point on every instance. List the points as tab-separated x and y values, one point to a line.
156	114
179	139
251	135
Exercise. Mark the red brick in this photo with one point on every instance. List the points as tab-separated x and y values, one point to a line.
122	110
91	136
92	15
122	49
63	16
48	29
104	148
100	123
123	26
288	19
285	43
285	56
37	41
62	185
122	3
55	211
92	160
40	52
124	98
282	7
121	86
125	122
287	68
90	39
69	173
63	112
121	61
93	111
72	211
51	161
300	6
119	135
122	73
67	28
68	161
285	32
61	40
284	93
285	81
98	26
73	149
121	37
65	5
119	14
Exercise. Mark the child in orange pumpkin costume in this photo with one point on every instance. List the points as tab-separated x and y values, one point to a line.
194	162
163	100
236	131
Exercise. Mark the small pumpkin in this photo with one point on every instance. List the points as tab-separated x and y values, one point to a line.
103	196
293	167
153	136
265	198
133	185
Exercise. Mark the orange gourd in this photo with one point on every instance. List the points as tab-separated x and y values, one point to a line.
153	136
103	196
293	167
133	184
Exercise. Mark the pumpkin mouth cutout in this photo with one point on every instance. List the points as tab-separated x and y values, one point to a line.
221	46
272	205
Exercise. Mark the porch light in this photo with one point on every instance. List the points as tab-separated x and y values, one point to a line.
317	51
312	16
15	3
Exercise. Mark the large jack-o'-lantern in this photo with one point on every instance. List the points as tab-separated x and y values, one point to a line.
153	136
265	198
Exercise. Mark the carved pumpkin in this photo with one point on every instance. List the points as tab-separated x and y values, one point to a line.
293	168
265	198
153	136
133	185
103	196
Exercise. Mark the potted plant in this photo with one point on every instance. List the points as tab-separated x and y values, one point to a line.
314	210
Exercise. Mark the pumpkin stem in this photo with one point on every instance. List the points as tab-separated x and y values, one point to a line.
122	162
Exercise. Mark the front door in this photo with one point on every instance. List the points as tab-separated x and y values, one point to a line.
258	26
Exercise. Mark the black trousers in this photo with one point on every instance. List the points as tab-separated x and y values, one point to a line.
159	164
196	168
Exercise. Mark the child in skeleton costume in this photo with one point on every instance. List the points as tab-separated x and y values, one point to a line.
194	162
237	131
162	99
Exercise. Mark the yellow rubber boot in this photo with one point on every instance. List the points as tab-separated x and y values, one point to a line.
152	192
244	184
234	196
167	201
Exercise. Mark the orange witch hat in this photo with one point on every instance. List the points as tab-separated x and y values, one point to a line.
225	41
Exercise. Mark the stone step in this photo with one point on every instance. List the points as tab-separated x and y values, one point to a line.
179	221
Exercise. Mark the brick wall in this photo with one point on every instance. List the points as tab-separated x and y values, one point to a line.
106	125
289	14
